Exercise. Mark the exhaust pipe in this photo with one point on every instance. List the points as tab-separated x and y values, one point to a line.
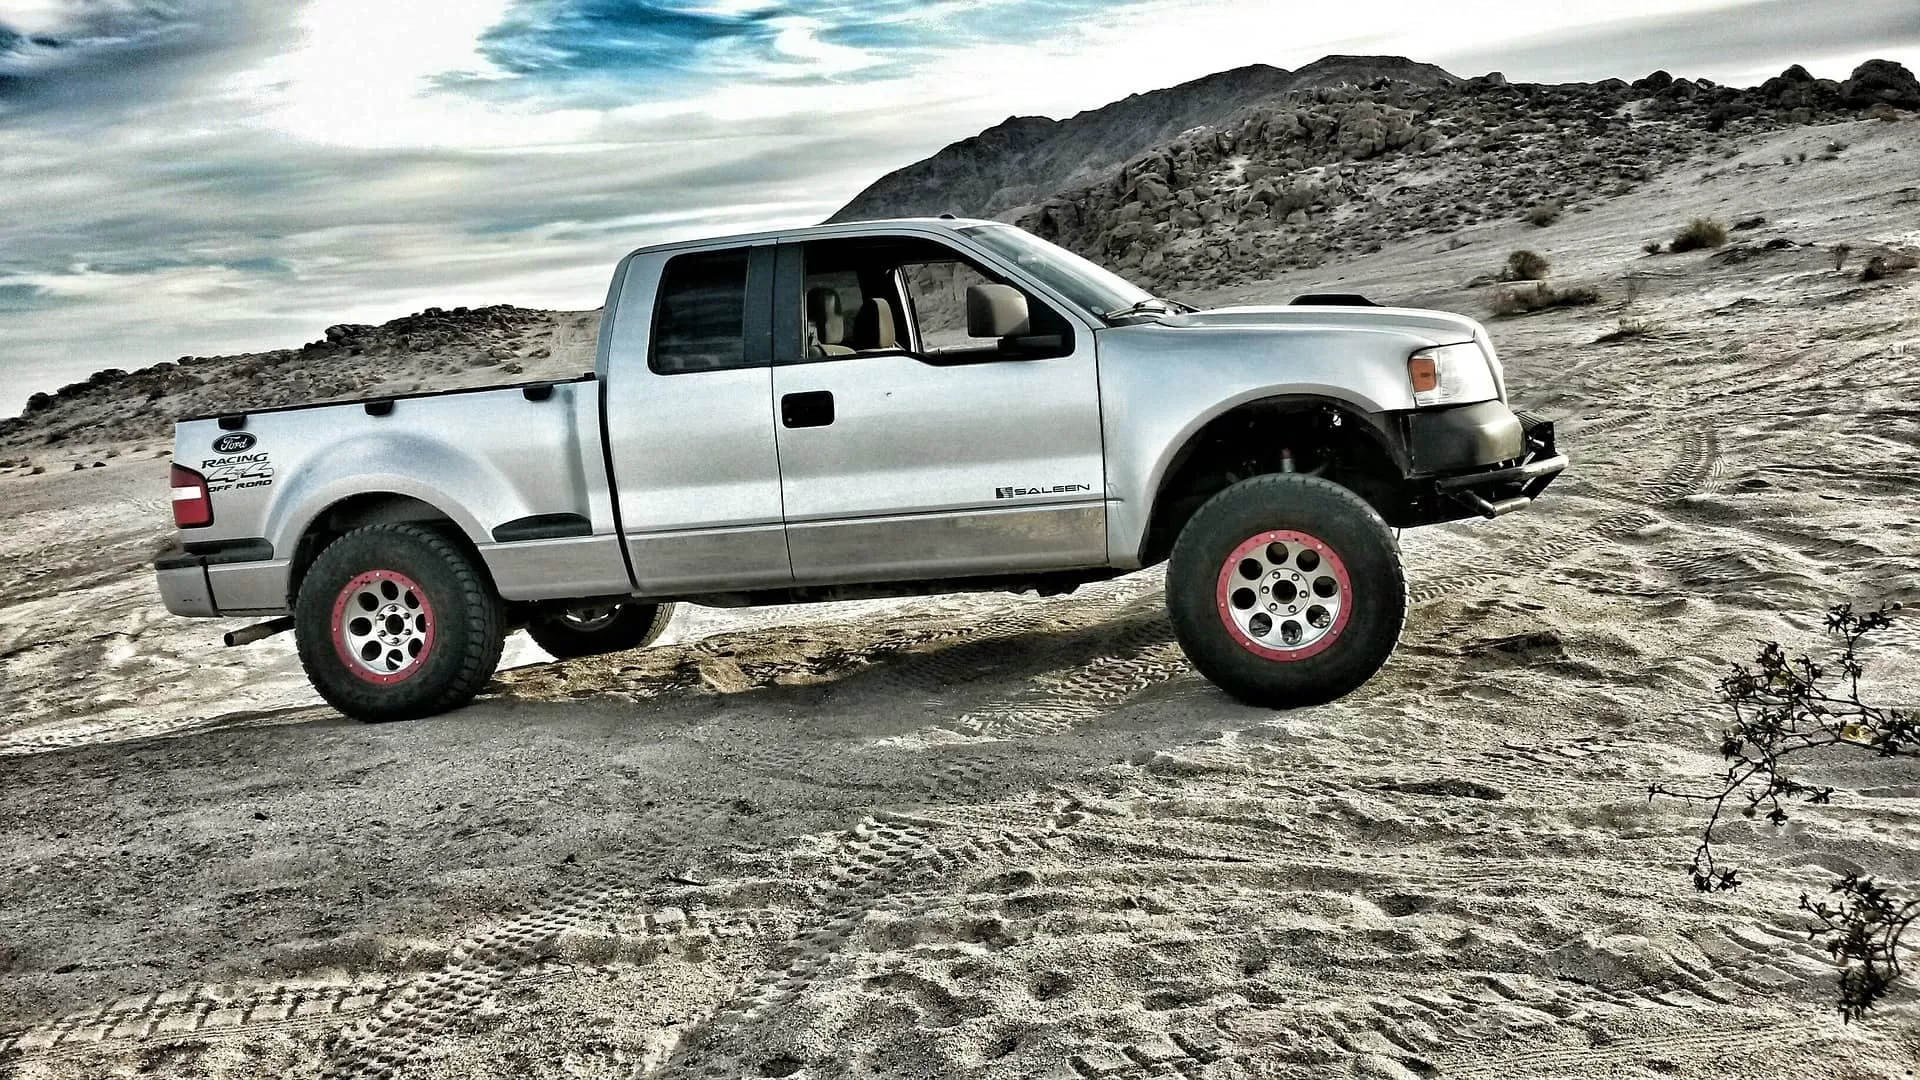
259	631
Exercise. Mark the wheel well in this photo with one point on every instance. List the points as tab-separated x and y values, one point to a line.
1312	436
375	508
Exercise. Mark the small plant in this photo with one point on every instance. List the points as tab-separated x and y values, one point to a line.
1653	247
1784	707
1625	330
1840	253
1545	214
1699	233
1540	296
1525	265
1801	157
1786	159
1881	266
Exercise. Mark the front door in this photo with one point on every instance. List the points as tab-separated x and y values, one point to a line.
910	450
691	431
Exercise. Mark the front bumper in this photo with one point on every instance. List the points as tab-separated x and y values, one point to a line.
1513	458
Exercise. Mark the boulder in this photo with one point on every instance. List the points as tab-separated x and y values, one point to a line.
1881	82
1656	82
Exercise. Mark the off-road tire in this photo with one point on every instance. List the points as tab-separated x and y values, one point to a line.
1200	581
468	623
633	626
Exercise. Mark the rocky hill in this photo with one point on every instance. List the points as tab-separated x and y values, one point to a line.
433	349
1025	158
1344	170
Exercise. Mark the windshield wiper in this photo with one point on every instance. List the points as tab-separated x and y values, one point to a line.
1141	308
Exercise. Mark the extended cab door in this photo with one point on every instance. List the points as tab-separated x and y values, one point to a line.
909	450
689	421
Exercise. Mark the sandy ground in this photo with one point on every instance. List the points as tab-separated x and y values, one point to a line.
995	837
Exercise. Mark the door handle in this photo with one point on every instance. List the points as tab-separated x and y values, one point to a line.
811	409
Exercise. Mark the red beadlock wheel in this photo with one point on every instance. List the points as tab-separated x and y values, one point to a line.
383	626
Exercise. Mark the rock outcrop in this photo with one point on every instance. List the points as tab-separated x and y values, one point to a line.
1023	159
433	348
1291	181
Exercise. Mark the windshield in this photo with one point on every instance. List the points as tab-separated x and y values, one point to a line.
1092	287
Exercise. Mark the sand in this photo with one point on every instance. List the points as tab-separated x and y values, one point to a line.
989	836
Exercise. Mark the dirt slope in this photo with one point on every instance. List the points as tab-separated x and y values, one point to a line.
987	837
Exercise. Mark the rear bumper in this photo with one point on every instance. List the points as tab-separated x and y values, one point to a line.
235	577
1531	461
184	587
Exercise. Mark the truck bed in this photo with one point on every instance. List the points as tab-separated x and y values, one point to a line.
519	469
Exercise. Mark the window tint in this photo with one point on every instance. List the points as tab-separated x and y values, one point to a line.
700	324
939	294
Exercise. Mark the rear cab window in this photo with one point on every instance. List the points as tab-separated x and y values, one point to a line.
700	319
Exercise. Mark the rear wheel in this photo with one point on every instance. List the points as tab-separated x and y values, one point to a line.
1287	590
396	622
605	628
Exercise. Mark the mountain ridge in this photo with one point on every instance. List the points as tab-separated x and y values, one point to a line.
1025	158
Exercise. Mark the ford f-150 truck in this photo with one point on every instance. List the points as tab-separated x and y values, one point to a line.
859	410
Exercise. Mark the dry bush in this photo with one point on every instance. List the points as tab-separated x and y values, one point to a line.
1783	707
1840	253
1626	330
1525	266
1546	213
1885	265
1540	296
1699	233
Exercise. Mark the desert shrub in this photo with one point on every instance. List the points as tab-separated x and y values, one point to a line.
1699	233
1540	296
1626	330
1801	157
1544	214
1525	265
1884	265
1653	247
1840	253
1784	707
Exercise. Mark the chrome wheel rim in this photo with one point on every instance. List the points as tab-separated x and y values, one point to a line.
1284	595
383	626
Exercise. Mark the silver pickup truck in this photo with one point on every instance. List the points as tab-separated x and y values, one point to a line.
860	410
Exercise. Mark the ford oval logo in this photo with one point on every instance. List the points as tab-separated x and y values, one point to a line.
235	443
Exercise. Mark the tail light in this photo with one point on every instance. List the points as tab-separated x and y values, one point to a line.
192	504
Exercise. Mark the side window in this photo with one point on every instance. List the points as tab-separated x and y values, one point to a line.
939	294
700	320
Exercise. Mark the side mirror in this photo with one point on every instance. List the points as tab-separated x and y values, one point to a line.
996	311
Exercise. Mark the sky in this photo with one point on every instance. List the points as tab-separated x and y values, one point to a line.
197	177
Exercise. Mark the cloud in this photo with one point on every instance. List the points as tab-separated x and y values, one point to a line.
200	176
1740	43
119	56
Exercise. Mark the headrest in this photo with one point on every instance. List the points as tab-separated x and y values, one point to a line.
823	311
873	327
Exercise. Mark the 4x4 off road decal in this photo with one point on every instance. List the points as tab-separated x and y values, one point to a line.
1057	489
237	471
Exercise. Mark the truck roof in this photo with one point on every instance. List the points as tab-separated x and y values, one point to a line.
809	232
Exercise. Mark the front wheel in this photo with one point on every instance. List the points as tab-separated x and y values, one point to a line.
592	631
1286	590
396	622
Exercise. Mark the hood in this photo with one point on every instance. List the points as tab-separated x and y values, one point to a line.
1444	327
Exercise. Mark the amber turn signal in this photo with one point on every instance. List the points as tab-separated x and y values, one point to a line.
1424	373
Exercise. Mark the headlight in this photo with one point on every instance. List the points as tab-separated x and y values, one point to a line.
1451	375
